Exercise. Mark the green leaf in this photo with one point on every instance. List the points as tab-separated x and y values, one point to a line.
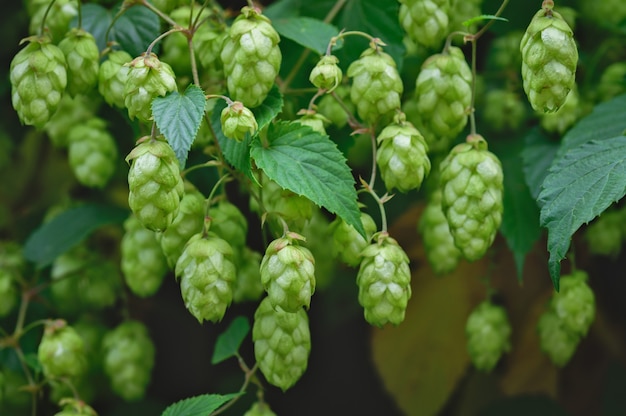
68	229
269	108
580	185
198	405
308	163
520	220
306	31
480	18
178	116
134	30
32	361
538	154
236	153
228	342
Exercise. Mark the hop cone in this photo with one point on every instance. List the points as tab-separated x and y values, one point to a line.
326	75
282	343
443	89
488	335
348	244
155	184
61	351
207	276
504	111
259	409
92	153
471	186
332	110
38	79
504	51
229	223
609	13
402	157
425	21
461	11
384	281
75	407
188	221
604	235
128	359
288	274
83	60
251	57
112	77
612	81
248	286
315	120
57	20
549	58
238	121
143	262
147	79
557	342
71	113
442	254
376	85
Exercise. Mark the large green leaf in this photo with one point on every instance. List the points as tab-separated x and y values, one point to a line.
538	154
306	31
134	30
228	343
309	164
580	185
198	405
178	116
68	229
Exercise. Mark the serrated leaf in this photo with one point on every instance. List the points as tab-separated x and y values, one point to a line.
68	229
229	341
309	164
580	185
178	116
482	17
538	154
269	108
133	31
236	153
199	405
306	31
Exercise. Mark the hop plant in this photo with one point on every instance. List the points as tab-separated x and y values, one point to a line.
425	21
488	335
112	77
128	359
348	243
57	19
288	273
188	221
330	108
282	343
83	60
604	235
70	113
38	80
549	59
75	407
147	79
612	81
229	223
142	260
207	276
442	254
461	11
384	281
61	351
248	286
608	14
558	343
238	121
251	57
504	111
376	85
326	74
92	152
155	184
504	53
259	409
313	119
443	89
402	156
471	186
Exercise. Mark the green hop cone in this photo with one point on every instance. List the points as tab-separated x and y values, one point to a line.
128	359
504	52
384	281
147	79
238	121
612	81
58	18
326	75
248	286
565	117
557	342
188	221
83	60
443	89
318	234
442	254
61	351
549	59
313	119
282	343
75	407
488	335
155	184
609	14
460	12
207	276
425	21
288	273
330	108
348	243
402	156
112	77
259	409
70	113
92	152
142	260
38	80
471	186
604	235
504	111
575	303
229	223
251	57
376	85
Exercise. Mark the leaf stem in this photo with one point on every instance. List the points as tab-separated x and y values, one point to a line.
249	375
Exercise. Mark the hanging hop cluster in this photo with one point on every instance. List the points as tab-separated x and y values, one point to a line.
488	335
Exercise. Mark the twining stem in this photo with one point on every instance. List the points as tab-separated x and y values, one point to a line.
162	36
45	16
158	12
473	98
249	376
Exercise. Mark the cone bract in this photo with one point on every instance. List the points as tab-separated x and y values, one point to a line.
112	77
229	223
326	75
